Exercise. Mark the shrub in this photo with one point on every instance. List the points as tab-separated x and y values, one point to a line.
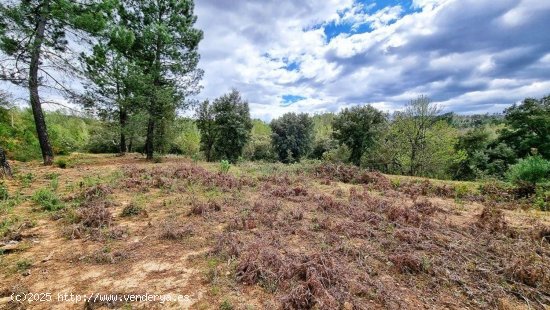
47	199
4	195
542	196
132	210
226	305
533	169
61	163
23	265
175	230
26	179
224	166
96	216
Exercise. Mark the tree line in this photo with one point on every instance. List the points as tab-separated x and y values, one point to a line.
417	141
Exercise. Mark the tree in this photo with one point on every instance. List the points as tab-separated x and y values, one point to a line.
413	125
292	136
33	35
259	146
475	144
357	128
323	140
167	49
528	127
184	137
419	143
114	75
232	126
3	160
6	169
207	129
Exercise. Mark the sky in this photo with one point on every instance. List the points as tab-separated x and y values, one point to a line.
469	56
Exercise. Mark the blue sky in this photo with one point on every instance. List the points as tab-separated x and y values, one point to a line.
469	56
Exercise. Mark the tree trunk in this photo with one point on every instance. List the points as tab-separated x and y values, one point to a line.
412	170
123	118
40	123
6	169
149	143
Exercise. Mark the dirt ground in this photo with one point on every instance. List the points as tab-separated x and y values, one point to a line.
118	232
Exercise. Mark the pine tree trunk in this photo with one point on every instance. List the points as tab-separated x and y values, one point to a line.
40	123
149	143
6	169
123	118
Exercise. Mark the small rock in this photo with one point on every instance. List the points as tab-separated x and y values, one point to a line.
348	306
26	273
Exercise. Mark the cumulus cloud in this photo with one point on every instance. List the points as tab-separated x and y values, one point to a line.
471	56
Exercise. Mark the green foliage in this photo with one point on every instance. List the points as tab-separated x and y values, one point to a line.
4	194
226	305
207	128
528	127
68	133
358	128
166	50
224	126
323	140
341	154
132	210
23	265
61	163
474	143
292	136
185	137
542	196
224	166
500	158
17	134
26	179
44	25
417	143
533	170
47	199
259	146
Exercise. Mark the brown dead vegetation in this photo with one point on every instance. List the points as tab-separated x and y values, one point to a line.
335	237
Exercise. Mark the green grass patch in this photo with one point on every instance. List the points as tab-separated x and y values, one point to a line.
47	199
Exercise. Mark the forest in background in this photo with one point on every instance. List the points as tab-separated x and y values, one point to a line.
447	146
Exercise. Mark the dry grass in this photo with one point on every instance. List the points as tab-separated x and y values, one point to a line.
332	237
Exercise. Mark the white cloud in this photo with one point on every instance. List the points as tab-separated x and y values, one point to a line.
469	55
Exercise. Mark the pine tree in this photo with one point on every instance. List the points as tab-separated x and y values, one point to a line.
114	75
33	35
167	50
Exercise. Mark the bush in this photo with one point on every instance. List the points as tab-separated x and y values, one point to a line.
542	197
533	169
132	210
224	166
4	195
61	163
47	199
